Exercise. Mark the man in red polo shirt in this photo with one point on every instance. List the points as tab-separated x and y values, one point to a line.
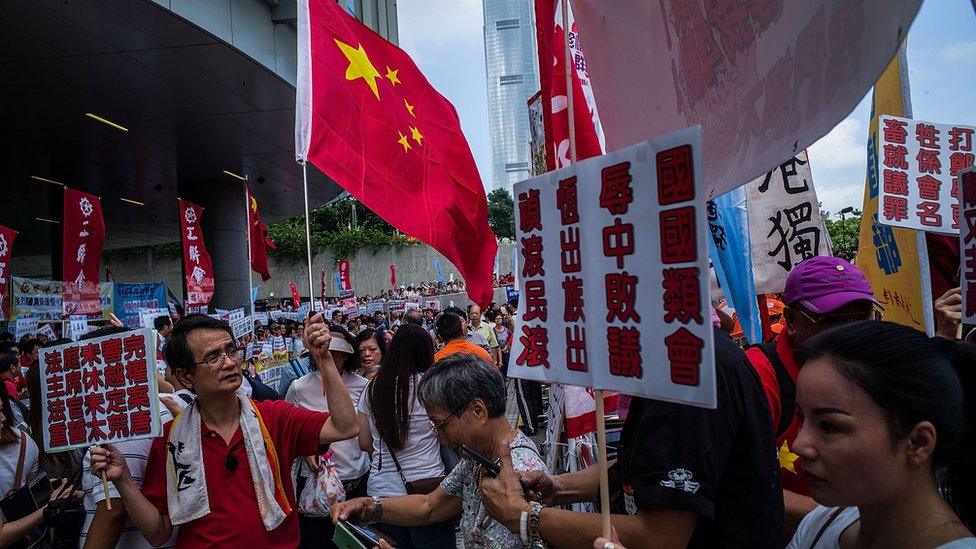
223	511
820	293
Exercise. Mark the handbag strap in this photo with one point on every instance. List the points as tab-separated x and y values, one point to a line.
396	463
20	461
823	529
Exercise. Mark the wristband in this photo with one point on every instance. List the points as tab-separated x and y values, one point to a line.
523	528
535	510
377	511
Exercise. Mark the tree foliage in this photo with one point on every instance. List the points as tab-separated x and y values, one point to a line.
844	235
501	213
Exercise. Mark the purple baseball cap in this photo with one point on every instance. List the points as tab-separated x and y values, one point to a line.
823	284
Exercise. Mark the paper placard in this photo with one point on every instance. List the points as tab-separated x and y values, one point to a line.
614	276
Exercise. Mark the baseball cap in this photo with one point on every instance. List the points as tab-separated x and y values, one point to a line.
823	284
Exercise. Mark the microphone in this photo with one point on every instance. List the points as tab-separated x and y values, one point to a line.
230	463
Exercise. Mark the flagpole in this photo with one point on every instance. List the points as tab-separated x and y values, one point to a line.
250	270
601	422
308	235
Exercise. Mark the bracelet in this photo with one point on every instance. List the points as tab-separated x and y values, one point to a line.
523	527
535	511
374	517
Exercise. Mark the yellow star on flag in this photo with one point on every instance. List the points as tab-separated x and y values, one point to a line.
403	141
786	458
409	108
359	66
391	75
415	135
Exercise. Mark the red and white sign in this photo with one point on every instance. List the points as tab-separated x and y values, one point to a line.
345	277
918	166
7	237
593	312
197	266
967	243
100	390
84	236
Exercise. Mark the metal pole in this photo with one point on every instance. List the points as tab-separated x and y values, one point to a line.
247	232
308	235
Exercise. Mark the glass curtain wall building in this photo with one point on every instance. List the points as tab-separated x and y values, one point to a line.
512	77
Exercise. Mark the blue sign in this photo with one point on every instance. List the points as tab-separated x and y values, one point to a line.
129	298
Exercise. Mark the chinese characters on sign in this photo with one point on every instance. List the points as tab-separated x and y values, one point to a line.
100	390
967	243
785	226
614	274
84	235
197	266
919	164
6	251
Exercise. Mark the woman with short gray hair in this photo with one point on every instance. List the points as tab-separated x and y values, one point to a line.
465	401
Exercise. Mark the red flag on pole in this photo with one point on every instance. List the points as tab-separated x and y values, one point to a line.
345	277
84	236
552	78
258	237
7	237
393	276
296	299
368	118
197	266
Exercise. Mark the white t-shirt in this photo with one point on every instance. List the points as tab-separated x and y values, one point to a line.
306	392
814	522
420	457
9	456
136	454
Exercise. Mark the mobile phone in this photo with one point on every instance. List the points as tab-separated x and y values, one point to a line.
349	535
492	467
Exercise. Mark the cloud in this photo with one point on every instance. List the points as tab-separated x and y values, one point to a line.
960	51
838	162
436	23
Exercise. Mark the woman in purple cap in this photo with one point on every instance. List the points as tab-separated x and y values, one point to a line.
820	293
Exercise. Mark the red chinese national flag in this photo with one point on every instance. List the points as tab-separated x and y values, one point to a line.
197	266
369	119
84	236
6	252
257	238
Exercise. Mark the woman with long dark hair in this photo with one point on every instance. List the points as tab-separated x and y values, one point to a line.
887	438
394	430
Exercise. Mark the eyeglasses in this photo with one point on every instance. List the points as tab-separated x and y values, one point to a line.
828	320
216	360
435	427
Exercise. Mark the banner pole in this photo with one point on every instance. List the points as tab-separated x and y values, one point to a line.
308	236
601	424
250	270
767	329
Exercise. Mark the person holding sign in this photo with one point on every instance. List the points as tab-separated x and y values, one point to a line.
685	476
220	469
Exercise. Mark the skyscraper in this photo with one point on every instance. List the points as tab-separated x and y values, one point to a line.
512	71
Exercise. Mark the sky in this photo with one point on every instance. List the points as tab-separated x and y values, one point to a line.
446	40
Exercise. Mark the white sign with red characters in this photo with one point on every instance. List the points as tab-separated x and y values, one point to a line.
100	390
967	243
919	164
614	275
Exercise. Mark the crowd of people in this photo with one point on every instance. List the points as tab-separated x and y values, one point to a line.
843	430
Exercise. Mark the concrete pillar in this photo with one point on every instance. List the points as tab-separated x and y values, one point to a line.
225	232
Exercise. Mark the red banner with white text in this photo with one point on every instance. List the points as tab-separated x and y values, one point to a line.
83	239
7	237
197	265
345	277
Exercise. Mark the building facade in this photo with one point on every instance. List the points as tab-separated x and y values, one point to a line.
512	76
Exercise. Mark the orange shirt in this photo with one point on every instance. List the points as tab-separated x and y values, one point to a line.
461	345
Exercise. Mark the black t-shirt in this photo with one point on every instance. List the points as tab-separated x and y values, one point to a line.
719	463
